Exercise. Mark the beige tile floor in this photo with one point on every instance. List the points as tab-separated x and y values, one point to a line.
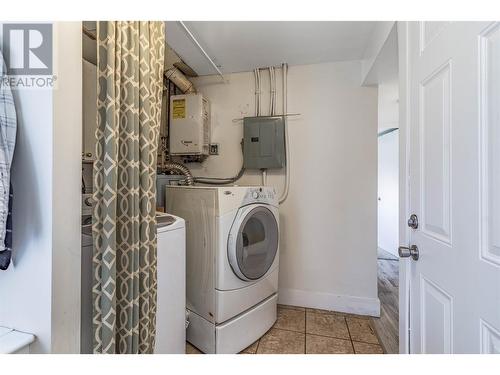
300	330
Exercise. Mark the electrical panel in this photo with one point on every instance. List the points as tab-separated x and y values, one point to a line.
264	142
189	125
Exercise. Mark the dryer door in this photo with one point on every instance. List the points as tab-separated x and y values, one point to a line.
253	242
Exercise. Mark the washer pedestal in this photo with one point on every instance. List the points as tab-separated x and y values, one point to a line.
235	334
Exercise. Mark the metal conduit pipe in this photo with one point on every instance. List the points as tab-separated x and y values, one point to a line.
275	91
221	180
182	169
218	180
257	91
259	107
284	195
271	94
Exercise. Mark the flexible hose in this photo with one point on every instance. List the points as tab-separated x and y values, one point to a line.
182	169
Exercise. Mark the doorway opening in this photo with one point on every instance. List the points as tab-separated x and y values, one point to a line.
387	325
383	73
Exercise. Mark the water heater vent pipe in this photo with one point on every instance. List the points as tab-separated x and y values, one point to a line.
180	80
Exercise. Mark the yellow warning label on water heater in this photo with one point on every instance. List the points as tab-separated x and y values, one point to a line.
179	108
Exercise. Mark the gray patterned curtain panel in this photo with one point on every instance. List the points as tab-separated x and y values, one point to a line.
130	81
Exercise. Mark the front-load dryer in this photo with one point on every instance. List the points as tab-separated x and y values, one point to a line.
232	258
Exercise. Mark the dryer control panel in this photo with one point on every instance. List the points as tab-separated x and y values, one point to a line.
261	194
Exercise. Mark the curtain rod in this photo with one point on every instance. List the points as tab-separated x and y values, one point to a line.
193	38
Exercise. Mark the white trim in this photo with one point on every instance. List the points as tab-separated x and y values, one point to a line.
329	301
404	183
485	237
66	190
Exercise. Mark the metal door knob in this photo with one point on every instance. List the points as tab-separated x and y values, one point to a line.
406	252
413	221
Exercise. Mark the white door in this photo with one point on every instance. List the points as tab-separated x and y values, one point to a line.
454	186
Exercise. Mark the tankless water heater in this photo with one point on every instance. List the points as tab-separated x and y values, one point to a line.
189	125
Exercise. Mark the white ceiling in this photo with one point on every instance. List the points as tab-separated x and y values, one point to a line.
243	46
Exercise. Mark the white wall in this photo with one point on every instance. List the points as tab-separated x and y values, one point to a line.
388	167
38	290
26	285
328	223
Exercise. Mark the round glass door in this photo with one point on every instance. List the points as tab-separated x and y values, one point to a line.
256	244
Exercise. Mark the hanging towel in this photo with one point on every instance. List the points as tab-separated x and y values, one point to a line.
8	125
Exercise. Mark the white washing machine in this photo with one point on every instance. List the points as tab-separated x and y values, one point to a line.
171	295
171	277
232	257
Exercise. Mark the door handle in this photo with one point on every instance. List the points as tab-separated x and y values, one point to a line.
413	221
406	252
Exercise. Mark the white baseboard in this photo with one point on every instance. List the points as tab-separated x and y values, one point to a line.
328	301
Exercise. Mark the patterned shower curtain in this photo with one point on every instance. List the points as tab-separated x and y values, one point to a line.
130	82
